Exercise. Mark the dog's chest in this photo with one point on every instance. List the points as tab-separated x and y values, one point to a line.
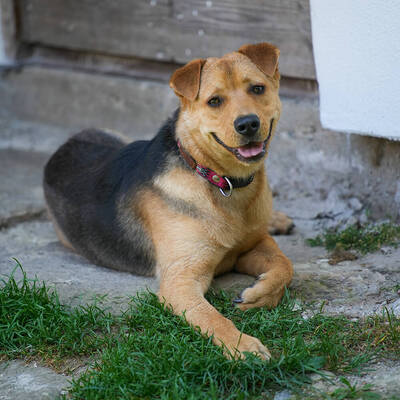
230	223
237	226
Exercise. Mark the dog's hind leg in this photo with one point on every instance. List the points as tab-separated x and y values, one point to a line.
280	224
273	271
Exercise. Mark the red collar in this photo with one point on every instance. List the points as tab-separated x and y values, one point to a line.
224	183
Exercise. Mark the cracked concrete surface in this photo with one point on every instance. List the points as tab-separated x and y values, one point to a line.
30	382
354	288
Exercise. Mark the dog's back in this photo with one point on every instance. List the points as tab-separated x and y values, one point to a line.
83	154
84	182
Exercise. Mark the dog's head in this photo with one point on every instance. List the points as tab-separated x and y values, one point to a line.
229	107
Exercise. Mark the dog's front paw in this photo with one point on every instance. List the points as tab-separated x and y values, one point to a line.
261	294
246	344
280	224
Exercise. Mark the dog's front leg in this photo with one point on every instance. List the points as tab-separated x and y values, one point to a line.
273	271
183	288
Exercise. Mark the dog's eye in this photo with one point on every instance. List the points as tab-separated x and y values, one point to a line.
215	101
257	89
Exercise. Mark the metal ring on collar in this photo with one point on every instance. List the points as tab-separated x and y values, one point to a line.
230	188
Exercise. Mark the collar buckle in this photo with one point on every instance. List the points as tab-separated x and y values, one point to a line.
229	192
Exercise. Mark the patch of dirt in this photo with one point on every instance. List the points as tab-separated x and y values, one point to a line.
340	255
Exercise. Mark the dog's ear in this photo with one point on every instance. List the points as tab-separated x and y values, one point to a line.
186	80
264	55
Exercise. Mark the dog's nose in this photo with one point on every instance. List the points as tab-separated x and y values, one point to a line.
247	125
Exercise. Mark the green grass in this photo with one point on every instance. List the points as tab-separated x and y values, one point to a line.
349	391
385	331
365	239
33	322
148	352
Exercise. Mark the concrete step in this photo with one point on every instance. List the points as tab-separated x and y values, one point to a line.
80	100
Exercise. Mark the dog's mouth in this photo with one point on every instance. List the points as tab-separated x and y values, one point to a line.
252	151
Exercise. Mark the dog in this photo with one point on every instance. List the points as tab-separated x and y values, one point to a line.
191	203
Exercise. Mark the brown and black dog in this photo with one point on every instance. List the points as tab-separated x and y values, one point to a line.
191	203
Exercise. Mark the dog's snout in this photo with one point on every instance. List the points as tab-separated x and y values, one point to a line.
247	125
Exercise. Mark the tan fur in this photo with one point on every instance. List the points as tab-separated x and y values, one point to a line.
186	80
264	55
197	120
280	223
227	233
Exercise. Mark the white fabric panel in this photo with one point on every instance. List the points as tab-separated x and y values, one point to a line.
357	56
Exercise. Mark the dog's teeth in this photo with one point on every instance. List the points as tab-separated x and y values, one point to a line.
238	300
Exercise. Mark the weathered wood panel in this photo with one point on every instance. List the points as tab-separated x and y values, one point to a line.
172	30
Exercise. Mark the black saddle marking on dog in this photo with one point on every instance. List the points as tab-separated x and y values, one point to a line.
85	182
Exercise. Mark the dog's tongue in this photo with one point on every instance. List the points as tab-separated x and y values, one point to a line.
251	150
